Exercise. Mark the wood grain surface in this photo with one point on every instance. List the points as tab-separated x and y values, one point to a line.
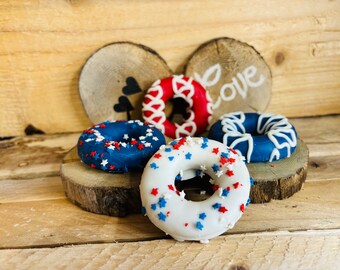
45	43
273	250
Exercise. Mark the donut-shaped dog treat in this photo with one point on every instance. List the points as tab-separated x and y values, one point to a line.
178	86
119	146
168	209
258	137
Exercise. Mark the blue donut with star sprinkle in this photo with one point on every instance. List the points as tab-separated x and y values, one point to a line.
119	146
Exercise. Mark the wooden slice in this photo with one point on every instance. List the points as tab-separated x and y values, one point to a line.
234	73
99	192
114	79
279	179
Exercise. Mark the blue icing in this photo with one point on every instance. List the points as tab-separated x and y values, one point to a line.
128	158
264	149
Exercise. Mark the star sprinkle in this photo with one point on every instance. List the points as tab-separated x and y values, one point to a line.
251	181
154	166
231	160
147	144
215	187
158	155
225	193
140	146
215	150
143	211
229	173
155	139
204	145
153	206
112	167
171	187
92	154
248	202
93	166
96	156
203	168
222	209
161	216
126	137
219	174
215	167
178	177
104	162
188	155
167	149
199	225
216	206
202	216
233	151
224	154
171	158
161	202
236	185
81	143
242	208
154	191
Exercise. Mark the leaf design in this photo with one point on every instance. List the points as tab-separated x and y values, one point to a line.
206	80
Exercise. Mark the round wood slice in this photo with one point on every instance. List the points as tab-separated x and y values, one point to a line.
114	79
234	73
279	179
97	191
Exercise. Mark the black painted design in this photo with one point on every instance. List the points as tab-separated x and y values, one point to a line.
123	105
132	86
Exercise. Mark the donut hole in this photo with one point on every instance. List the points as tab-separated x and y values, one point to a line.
176	110
197	188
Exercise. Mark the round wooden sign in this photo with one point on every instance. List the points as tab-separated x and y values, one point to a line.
114	79
234	73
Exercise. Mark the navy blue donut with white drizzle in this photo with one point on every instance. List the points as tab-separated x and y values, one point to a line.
119	146
259	137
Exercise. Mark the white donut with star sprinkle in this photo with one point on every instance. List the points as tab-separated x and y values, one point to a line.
170	211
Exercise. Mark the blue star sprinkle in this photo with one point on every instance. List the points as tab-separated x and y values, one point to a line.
216	205
205	139
167	149
225	193
153	206
215	167
251	181
161	202
198	172
248	202
173	143
143	210
111	152
224	154
204	145
199	225
154	166
202	216
161	216
171	158
178	177
188	155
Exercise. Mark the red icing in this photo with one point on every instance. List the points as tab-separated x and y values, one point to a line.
199	107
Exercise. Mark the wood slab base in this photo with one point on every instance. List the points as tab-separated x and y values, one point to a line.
279	179
118	194
99	192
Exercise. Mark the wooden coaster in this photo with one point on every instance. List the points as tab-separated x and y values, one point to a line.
234	73
279	179
99	192
114	79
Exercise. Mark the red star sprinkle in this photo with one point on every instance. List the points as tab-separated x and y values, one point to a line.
222	209
186	224
158	155
233	151
242	208
107	144
102	126
231	160
236	185
215	150
140	146
93	166
171	187
116	144
223	160
228	188
112	167
229	173
133	141
154	191
215	187
93	154
81	143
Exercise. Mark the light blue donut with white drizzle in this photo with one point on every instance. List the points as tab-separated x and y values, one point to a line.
259	137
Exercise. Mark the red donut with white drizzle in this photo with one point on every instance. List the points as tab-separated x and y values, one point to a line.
178	86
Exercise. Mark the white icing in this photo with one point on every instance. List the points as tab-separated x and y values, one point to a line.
273	126
181	215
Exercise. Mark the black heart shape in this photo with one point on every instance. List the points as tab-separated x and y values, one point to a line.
123	105
132	86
